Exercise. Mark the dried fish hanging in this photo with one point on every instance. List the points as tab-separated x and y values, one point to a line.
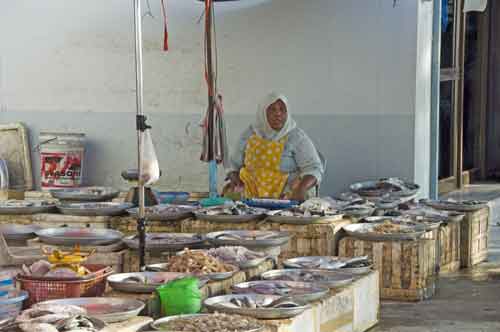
215	149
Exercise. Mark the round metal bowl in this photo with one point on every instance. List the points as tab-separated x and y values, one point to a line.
94	209
162	323
253	262
69	236
242	265
85	194
26	207
358	211
16	232
249	239
227	218
163	267
370	189
220	304
330	279
154	213
295	220
120	283
315	263
296	291
165	241
357	270
107	309
447	206
418	223
366	232
218	276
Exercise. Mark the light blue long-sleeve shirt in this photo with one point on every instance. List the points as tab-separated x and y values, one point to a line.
299	158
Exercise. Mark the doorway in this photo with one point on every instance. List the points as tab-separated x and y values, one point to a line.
463	96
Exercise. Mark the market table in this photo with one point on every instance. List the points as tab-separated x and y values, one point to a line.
212	288
353	308
319	239
315	239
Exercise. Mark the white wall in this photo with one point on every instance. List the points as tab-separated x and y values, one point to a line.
349	68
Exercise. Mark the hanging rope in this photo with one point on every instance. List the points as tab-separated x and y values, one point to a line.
208	46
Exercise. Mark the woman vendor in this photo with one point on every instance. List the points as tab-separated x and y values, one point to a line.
274	158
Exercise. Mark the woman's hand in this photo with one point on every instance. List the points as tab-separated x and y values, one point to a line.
235	184
298	195
300	188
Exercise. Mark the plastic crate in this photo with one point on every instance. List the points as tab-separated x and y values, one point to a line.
42	289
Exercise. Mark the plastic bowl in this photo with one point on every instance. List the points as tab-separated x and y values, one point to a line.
168	197
11	303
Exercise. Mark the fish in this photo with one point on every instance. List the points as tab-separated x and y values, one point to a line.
37	327
41	316
79	324
61	308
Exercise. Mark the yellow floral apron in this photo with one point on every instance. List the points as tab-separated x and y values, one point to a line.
261	174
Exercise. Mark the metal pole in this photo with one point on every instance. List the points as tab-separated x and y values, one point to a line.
141	222
435	84
212	168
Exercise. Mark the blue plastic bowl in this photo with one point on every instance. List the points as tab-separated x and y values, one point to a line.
168	197
11	303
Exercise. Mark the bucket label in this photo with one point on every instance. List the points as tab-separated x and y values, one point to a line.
61	169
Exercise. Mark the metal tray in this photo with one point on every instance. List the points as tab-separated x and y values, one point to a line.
107	309
85	194
242	265
304	220
365	232
221	275
26	207
216	304
455	206
226	218
315	263
94	209
363	189
156	279
158	216
156	241
271	204
357	270
18	232
247	238
162	267
253	262
358	211
330	279
78	235
425	224
296	291
160	324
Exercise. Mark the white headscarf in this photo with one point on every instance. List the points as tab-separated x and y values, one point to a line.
261	125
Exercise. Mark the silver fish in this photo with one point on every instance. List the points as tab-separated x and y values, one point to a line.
36	327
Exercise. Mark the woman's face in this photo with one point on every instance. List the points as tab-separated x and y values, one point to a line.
276	115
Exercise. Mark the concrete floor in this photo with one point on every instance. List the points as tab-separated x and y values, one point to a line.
467	301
